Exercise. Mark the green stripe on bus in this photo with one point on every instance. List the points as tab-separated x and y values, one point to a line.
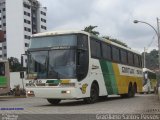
3	80
109	77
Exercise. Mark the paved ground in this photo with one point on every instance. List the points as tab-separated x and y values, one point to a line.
115	104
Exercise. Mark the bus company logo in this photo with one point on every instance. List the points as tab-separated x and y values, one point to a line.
83	88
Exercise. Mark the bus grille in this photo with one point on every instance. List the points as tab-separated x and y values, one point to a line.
46	84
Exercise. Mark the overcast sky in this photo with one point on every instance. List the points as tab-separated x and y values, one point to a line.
114	18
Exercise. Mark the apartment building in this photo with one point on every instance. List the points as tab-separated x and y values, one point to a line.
19	19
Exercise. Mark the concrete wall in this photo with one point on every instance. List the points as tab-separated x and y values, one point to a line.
15	79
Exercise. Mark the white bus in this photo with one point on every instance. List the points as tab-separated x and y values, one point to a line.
77	65
149	81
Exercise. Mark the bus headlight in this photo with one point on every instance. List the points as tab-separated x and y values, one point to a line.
66	92
30	93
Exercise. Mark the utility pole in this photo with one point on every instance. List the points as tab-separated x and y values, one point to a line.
158	42
144	61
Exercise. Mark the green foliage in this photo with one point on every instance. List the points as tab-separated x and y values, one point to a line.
151	59
116	41
15	65
91	30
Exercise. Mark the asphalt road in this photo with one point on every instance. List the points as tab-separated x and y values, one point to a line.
146	103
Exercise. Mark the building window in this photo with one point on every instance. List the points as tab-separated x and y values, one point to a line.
26	6
27	21
0	48
4	47
4	24
0	18
26	13
43	13
4	17
27	37
27	29
26	45
0	56
5	55
43	27
43	20
4	9
0	11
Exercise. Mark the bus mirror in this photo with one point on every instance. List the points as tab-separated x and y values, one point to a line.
21	75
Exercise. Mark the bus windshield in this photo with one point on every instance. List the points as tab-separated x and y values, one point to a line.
57	57
57	62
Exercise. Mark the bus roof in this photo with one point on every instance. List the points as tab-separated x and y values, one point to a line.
146	69
52	33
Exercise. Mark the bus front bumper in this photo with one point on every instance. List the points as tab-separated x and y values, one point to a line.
55	93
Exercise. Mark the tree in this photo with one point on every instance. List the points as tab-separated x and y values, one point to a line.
116	41
151	59
90	29
15	65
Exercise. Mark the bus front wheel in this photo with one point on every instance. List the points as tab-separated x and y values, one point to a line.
54	101
94	94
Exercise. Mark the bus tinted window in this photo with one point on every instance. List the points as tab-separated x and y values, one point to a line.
115	54
95	49
123	56
140	61
136	61
106	51
130	58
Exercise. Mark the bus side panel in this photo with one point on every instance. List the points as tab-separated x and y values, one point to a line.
109	77
124	80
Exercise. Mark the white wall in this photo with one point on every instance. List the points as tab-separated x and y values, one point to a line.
15	28
15	79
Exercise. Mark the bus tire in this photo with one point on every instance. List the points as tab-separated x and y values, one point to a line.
94	94
54	101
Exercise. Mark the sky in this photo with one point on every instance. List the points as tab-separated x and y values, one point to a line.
114	18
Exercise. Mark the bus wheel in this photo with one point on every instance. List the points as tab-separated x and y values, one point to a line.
54	101
94	94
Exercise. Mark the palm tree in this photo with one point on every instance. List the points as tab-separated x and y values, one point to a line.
90	30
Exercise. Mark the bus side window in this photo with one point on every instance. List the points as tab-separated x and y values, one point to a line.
2	69
82	57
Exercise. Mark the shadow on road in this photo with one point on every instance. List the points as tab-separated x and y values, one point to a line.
81	102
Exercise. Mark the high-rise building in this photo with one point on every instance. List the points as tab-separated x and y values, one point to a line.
19	19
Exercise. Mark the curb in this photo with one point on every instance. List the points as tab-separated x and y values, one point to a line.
10	97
